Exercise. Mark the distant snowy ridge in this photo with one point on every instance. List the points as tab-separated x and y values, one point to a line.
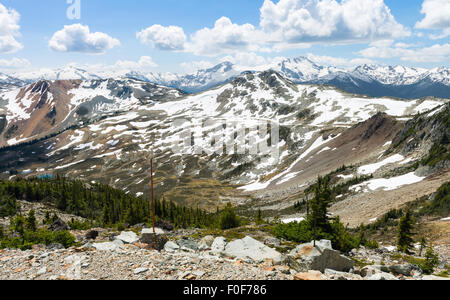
372	80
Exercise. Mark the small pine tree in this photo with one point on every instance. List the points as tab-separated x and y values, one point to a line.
431	261
405	233
46	220
318	212
30	223
18	225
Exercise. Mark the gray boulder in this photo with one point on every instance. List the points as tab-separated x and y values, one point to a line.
150	230
109	246
382	276
171	247
306	257
271	241
188	244
405	269
336	275
153	241
207	241
249	248
368	271
218	246
128	237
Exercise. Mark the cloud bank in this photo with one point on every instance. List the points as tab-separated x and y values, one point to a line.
78	38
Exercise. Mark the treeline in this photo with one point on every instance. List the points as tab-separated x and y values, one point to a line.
101	203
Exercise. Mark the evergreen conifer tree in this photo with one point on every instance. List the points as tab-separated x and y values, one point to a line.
405	233
318	213
30	223
431	261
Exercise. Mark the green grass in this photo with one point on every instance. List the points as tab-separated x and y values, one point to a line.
361	263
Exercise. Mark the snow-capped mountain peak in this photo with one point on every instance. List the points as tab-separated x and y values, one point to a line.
369	79
65	73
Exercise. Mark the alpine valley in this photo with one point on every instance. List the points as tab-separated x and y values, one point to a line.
103	130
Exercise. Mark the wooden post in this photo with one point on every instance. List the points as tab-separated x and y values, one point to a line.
153	194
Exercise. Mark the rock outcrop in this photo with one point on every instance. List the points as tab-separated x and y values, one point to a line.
128	237
249	248
321	257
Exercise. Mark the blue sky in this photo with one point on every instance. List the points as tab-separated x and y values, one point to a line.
194	33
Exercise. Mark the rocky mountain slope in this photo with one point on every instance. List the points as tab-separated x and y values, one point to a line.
104	131
47	107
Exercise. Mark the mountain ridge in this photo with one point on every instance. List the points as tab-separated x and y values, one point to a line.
372	80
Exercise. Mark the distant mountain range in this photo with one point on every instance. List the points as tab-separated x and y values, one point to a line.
371	80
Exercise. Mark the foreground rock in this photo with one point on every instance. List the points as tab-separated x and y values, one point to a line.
188	244
310	275
153	241
207	242
307	257
128	237
249	248
218	245
336	275
150	230
406	270
109	246
171	247
130	263
382	276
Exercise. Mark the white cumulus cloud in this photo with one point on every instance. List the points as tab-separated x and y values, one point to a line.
171	38
301	21
224	38
435	53
437	17
14	63
78	38
9	30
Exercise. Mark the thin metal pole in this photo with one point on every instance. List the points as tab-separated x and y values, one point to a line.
153	195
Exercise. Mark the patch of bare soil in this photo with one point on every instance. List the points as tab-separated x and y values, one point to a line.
364	207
